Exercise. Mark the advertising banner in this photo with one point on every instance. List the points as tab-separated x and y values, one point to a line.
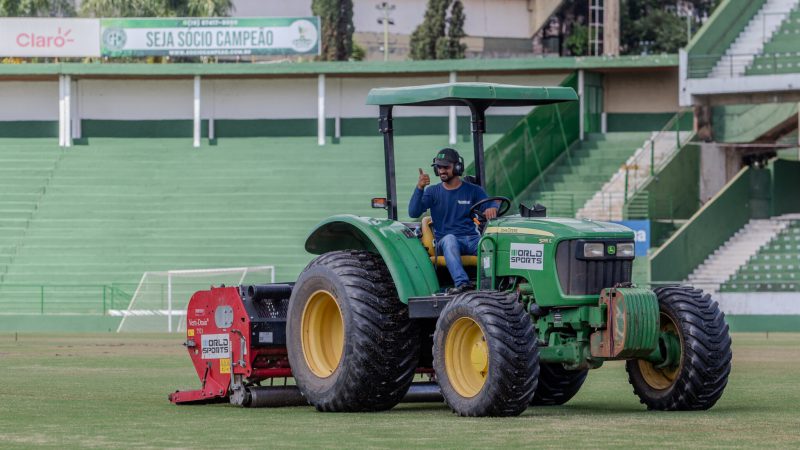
210	36
46	37
641	229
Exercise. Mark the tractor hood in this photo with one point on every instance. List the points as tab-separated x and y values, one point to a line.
559	228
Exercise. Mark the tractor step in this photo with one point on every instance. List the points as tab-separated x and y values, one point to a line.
427	307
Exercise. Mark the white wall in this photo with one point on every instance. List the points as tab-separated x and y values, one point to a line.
28	100
135	99
264	98
271	98
486	18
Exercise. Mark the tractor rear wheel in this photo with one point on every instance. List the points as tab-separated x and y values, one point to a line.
557	385
485	355
351	344
697	377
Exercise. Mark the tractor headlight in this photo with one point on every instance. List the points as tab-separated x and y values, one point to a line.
625	250
593	250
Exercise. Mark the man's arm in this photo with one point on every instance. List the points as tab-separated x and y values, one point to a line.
489	209
419	202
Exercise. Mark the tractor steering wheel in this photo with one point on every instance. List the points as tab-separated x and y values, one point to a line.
505	205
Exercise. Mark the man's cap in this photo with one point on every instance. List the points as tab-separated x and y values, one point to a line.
446	157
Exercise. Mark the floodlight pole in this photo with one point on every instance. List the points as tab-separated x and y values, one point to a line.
385	8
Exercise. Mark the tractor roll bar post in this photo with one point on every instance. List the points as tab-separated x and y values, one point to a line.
385	127
478	111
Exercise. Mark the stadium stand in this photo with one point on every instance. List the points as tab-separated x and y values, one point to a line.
781	54
91	219
750	41
775	267
611	202
735	252
582	171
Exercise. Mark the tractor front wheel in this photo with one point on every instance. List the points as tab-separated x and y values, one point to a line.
557	385
697	349
351	345
485	355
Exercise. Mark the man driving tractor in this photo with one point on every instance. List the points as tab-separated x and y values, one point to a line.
450	202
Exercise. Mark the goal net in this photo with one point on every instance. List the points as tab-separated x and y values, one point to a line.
160	300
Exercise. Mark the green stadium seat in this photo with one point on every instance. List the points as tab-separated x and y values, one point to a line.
774	268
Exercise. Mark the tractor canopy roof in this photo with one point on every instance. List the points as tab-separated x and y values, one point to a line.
460	94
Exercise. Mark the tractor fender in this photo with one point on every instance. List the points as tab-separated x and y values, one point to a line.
401	250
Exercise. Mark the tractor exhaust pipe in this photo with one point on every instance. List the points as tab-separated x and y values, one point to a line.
278	396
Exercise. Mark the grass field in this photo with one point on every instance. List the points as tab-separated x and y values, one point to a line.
110	391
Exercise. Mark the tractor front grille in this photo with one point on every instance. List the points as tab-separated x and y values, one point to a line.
579	276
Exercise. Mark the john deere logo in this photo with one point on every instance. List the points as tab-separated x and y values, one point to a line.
612	249
440	156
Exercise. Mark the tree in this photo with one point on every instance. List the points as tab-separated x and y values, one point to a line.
156	8
37	8
424	37
578	41
450	46
439	37
648	26
336	18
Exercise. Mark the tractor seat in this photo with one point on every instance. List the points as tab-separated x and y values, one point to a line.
427	242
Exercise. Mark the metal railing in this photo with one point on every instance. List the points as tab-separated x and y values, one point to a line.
612	202
89	299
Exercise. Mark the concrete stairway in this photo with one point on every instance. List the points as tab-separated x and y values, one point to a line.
577	176
608	202
751	40
726	260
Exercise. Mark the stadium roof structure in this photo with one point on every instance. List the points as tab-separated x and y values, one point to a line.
458	94
255	70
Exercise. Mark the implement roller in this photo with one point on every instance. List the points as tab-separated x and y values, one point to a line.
236	338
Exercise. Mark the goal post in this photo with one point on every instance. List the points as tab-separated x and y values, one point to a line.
161	296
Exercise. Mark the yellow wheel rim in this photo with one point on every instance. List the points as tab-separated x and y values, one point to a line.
466	357
322	333
662	378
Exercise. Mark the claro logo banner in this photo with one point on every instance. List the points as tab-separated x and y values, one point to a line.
49	37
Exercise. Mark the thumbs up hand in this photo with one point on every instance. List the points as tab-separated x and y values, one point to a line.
424	180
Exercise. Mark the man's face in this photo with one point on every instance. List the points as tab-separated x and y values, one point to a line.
445	172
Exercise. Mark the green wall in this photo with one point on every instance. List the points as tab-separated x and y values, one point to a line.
709	228
58	323
223	128
29	128
746	123
785	187
673	194
770	323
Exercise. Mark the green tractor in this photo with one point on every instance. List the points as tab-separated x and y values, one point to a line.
554	299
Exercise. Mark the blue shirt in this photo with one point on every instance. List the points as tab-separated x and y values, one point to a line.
449	208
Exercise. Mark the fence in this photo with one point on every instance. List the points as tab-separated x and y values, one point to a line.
95	299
